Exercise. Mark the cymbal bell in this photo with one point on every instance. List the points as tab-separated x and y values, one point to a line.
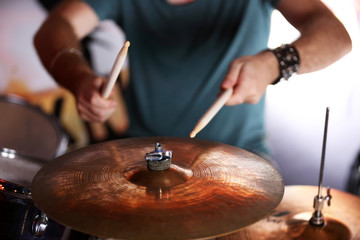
106	189
290	220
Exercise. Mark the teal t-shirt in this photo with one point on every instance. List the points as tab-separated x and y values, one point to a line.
178	57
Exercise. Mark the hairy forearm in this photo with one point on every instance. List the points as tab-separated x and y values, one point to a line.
323	41
58	43
52	47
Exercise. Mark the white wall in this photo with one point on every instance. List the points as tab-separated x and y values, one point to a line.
19	19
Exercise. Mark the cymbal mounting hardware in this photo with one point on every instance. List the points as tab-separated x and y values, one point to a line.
317	218
158	160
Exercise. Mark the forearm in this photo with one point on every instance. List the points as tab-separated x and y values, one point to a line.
323	39
58	43
53	50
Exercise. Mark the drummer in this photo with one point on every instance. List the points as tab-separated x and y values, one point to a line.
184	53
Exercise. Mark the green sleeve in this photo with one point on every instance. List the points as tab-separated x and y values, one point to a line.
106	9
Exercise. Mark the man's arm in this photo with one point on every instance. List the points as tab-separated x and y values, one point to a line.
58	45
323	40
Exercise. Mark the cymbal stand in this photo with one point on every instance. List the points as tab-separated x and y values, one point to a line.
317	218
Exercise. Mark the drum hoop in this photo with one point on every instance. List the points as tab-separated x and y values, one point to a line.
11	153
16	190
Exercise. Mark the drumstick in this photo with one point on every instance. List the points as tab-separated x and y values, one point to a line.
119	61
210	113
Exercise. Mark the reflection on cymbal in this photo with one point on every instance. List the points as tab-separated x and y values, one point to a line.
106	189
290	220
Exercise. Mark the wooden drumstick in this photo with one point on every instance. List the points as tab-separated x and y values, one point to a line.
210	113
119	61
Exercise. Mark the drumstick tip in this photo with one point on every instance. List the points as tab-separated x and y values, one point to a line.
127	44
192	134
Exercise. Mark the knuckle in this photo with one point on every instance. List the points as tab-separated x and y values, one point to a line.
237	99
254	99
103	118
93	99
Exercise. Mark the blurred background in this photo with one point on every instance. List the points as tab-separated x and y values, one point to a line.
295	110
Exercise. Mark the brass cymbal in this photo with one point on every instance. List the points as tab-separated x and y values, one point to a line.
290	220
106	189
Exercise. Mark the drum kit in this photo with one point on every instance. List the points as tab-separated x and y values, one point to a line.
29	140
163	188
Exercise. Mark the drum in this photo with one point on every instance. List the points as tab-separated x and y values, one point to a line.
21	220
17	168
290	220
29	131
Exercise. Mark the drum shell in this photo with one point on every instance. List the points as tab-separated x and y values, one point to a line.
18	213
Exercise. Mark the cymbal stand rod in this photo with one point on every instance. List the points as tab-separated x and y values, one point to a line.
323	152
317	217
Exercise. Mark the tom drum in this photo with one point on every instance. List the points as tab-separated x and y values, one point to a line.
29	131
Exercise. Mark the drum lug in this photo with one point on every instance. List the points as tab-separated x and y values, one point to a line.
40	224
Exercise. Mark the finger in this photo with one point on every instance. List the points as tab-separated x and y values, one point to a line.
90	117
232	75
238	96
85	117
240	90
97	105
96	101
94	113
105	103
86	114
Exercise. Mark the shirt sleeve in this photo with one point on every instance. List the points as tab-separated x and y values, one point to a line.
273	3
106	9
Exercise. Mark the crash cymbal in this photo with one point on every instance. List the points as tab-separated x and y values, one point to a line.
106	189
290	220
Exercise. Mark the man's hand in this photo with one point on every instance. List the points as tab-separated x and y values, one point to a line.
91	106
249	76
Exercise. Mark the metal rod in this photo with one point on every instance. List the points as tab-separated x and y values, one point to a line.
323	152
